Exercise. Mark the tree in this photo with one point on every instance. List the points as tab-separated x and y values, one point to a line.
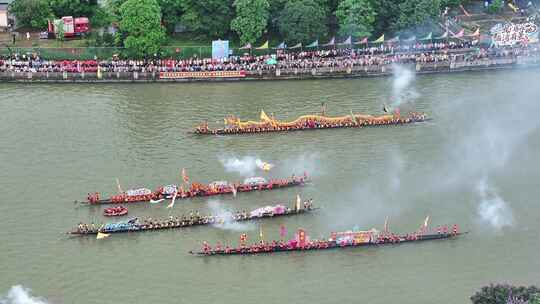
450	3
140	23
356	17
31	13
75	8
101	18
415	14
500	294
251	19
113	8
210	18
171	11
495	7
59	26
302	20
387	14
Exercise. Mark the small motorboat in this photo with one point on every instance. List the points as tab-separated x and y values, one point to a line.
116	211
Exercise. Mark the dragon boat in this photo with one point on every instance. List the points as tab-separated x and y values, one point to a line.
197	190
233	125
337	240
194	219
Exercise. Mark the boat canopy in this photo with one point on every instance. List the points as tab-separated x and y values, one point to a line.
255	180
277	209
140	191
219	183
170	189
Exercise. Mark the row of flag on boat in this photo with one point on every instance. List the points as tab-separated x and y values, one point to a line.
349	41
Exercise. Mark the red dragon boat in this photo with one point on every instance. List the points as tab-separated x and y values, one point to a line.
115	211
234	125
339	240
197	190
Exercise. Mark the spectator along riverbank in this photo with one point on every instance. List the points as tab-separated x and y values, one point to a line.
336	63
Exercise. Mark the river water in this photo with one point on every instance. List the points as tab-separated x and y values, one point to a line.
475	164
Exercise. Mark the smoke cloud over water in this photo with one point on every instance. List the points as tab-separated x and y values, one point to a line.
20	295
245	166
476	140
492	209
484	133
402	89
216	208
248	166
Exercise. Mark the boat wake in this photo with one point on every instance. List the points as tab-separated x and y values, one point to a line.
19	295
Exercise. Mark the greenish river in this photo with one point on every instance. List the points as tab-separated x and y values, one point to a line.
475	164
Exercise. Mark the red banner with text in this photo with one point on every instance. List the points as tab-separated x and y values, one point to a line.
211	74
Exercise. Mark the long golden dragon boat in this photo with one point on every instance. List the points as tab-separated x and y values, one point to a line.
233	124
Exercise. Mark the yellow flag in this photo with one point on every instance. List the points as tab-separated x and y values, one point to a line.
353	118
261	235
380	40
263	47
265	117
266	167
102	236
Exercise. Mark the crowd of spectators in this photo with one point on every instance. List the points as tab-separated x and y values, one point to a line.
511	34
340	57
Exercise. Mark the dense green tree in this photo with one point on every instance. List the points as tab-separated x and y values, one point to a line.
276	7
31	13
499	294
355	17
210	18
171	11
113	8
495	7
417	14
75	8
251	19
302	20
101	18
140	24
451	3
387	14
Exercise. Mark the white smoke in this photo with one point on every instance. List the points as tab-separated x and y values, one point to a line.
492	209
216	209
245	166
305	163
402	91
20	295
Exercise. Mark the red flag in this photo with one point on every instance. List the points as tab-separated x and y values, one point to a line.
282	231
185	178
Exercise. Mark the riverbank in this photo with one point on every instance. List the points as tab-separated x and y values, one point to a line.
277	74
